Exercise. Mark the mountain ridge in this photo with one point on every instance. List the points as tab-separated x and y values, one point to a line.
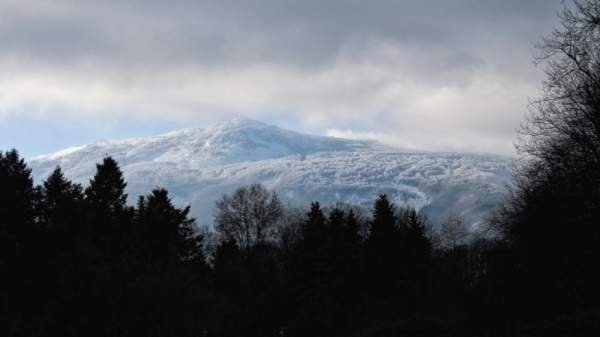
197	165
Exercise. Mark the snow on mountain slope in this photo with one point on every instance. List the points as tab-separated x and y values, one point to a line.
198	165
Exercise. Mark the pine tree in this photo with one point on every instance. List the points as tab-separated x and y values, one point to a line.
18	244
334	257
343	254
107	188
107	212
17	202
312	250
61	205
413	226
352	250
383	248
65	259
311	270
167	231
415	256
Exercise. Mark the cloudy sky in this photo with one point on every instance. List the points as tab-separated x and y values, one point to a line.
432	74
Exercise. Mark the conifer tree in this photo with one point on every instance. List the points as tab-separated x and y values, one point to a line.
107	212
417	245
18	238
312	257
107	188
61	204
415	255
383	248
334	256
352	249
310	271
17	200
167	231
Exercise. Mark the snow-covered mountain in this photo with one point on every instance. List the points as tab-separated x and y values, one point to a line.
198	165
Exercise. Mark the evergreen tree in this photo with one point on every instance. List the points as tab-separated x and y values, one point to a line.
311	270
166	231
312	248
107	212
61	220
19	255
416	243
17	203
168	268
110	253
415	256
334	257
383	248
352	249
344	255
107	188
61	206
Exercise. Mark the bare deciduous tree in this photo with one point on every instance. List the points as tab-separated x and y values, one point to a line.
248	216
560	141
564	123
452	233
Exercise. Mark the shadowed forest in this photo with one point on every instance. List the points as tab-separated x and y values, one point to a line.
79	261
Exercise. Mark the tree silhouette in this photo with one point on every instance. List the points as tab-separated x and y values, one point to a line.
107	188
61	205
17	200
166	231
552	216
18	235
383	248
452	233
248	216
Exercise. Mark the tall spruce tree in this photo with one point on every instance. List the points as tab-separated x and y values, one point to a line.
415	255
107	188
61	205
61	220
310	272
167	232
17	203
107	212
383	248
18	245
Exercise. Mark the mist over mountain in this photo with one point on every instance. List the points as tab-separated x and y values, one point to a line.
198	165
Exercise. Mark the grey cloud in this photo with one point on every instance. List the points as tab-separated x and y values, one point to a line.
415	67
297	32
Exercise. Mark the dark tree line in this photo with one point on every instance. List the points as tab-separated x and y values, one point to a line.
81	262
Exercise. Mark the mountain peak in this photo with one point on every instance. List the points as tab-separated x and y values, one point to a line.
243	121
237	140
240	124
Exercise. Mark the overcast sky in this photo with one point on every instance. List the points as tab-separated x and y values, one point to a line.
432	74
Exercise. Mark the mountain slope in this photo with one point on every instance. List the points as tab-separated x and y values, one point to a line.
199	165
